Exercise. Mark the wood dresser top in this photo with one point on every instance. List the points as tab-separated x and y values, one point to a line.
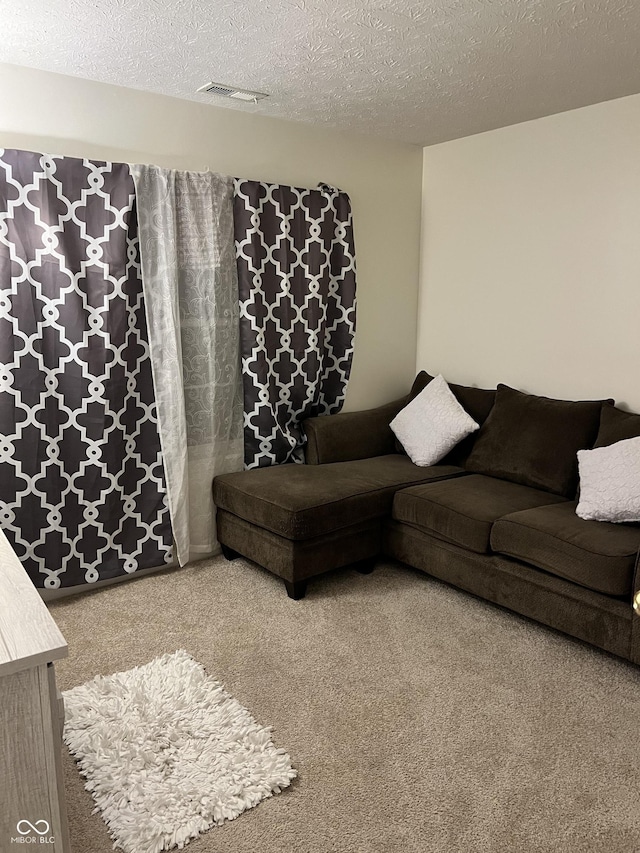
28	635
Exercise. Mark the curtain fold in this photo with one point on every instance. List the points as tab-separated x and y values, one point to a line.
82	487
297	280
191	297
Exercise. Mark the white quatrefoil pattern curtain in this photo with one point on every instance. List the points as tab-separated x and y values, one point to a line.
82	484
297	278
157	328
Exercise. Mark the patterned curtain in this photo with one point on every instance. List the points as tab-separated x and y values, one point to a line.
296	273
82	489
191	295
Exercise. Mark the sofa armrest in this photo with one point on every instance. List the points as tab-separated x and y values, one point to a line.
351	435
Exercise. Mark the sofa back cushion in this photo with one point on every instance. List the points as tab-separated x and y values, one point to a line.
616	425
535	440
477	402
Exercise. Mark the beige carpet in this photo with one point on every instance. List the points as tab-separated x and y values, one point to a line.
419	718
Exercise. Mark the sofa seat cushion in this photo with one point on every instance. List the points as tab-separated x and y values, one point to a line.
462	511
594	554
303	501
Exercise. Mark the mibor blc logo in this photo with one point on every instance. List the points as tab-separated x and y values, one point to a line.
33	833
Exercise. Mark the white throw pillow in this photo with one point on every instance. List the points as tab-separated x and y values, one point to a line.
432	424
610	482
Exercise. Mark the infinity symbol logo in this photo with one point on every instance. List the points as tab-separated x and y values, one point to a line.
32	827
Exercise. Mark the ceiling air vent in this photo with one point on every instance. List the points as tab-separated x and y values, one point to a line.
232	92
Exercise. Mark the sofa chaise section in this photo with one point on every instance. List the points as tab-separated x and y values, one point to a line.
299	521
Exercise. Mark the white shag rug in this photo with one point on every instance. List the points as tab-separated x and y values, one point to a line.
167	753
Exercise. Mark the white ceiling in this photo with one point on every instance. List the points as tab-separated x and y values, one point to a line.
421	71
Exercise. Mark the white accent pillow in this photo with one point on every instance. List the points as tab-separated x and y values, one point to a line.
432	424
610	482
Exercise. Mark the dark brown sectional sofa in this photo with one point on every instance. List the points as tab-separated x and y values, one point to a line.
496	517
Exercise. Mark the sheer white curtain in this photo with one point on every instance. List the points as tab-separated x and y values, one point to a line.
191	296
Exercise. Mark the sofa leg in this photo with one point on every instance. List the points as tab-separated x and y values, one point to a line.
296	589
365	567
229	553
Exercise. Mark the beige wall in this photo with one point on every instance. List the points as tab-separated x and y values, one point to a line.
66	115
530	270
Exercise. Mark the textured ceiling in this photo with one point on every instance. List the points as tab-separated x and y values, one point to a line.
421	72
